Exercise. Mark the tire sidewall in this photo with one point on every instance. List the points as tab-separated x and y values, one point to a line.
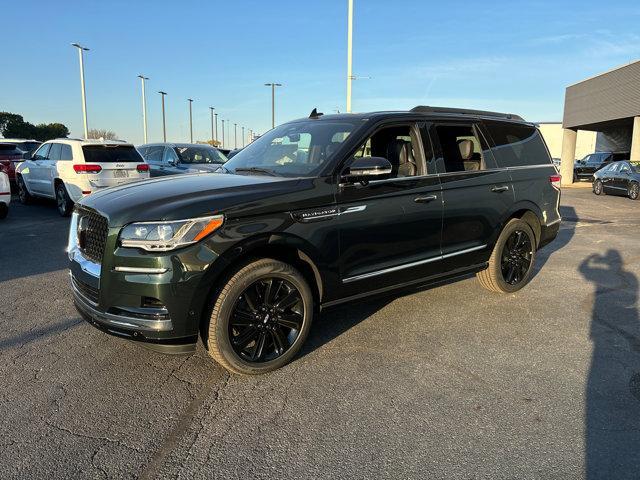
511	227
227	300
631	188
68	202
597	187
23	193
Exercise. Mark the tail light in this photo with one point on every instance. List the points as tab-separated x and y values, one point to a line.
142	167
87	168
555	181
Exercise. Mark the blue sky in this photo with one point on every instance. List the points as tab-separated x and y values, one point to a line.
515	56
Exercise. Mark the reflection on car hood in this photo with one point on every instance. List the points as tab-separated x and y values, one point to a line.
184	196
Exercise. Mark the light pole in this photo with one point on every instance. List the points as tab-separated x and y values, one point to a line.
273	101
228	130
164	123
216	122
235	135
243	139
349	55
222	133
190	100
82	49
144	107
213	138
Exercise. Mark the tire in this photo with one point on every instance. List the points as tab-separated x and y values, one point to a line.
23	194
575	178
634	191
597	187
250	335
63	201
494	278
4	210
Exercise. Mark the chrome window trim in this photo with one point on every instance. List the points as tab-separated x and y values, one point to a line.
412	264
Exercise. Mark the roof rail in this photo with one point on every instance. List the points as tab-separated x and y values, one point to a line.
465	111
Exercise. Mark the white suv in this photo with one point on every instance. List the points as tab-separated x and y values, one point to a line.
68	169
5	193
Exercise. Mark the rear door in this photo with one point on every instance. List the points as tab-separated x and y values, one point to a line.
47	169
119	164
477	195
623	178
608	177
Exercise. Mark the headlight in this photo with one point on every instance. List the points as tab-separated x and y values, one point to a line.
163	236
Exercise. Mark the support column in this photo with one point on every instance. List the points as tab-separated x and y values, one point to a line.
569	138
635	141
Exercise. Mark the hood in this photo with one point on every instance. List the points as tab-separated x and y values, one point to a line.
186	196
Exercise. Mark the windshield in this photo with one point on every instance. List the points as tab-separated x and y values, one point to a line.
293	150
202	154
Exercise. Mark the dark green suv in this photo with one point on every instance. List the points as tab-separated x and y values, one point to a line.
316	212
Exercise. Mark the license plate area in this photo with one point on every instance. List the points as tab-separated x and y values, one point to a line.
120	174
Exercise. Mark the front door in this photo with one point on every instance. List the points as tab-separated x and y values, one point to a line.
390	228
476	194
34	173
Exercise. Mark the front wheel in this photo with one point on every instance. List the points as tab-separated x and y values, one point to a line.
261	318
511	262
23	194
597	187
634	191
63	201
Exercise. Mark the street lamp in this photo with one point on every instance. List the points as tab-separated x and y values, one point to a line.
82	49
216	122
228	130
273	101
243	139
164	123
235	135
213	138
190	100
349	55
144	107
222	133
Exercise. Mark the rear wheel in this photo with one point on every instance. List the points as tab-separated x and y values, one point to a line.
511	262
575	178
597	187
261	318
63	201
634	191
23	194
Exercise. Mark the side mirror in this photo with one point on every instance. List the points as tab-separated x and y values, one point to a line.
367	168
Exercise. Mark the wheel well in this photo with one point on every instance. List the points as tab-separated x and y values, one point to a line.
532	219
57	182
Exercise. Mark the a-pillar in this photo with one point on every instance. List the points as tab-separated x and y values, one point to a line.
569	138
635	141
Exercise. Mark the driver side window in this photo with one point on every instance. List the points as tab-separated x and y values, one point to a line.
42	153
400	145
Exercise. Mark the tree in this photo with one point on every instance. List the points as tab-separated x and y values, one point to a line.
13	126
213	143
102	133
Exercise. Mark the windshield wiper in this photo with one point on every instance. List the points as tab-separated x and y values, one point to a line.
257	170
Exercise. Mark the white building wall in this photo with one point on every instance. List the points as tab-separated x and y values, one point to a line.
552	134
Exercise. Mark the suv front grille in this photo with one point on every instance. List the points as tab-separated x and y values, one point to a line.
92	235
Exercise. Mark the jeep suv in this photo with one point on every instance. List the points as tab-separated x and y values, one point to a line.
316	212
68	169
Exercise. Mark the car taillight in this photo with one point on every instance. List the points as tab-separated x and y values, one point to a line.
142	167
555	181
87	168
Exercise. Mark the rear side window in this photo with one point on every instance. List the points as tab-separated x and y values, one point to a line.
517	145
111	154
153	154
66	154
463	149
54	153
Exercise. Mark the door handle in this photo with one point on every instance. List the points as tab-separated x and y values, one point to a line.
425	199
503	188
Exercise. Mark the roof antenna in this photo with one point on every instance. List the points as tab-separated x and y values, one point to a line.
315	113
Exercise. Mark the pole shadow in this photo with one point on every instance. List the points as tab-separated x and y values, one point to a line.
612	415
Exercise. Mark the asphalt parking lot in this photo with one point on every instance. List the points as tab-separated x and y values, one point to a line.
449	382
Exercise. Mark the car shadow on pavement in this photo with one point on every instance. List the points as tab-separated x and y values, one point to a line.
612	415
567	230
37	333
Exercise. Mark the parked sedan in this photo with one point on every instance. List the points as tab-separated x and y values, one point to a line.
177	158
618	178
585	168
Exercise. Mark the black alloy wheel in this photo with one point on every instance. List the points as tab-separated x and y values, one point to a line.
597	187
516	257
266	320
634	191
